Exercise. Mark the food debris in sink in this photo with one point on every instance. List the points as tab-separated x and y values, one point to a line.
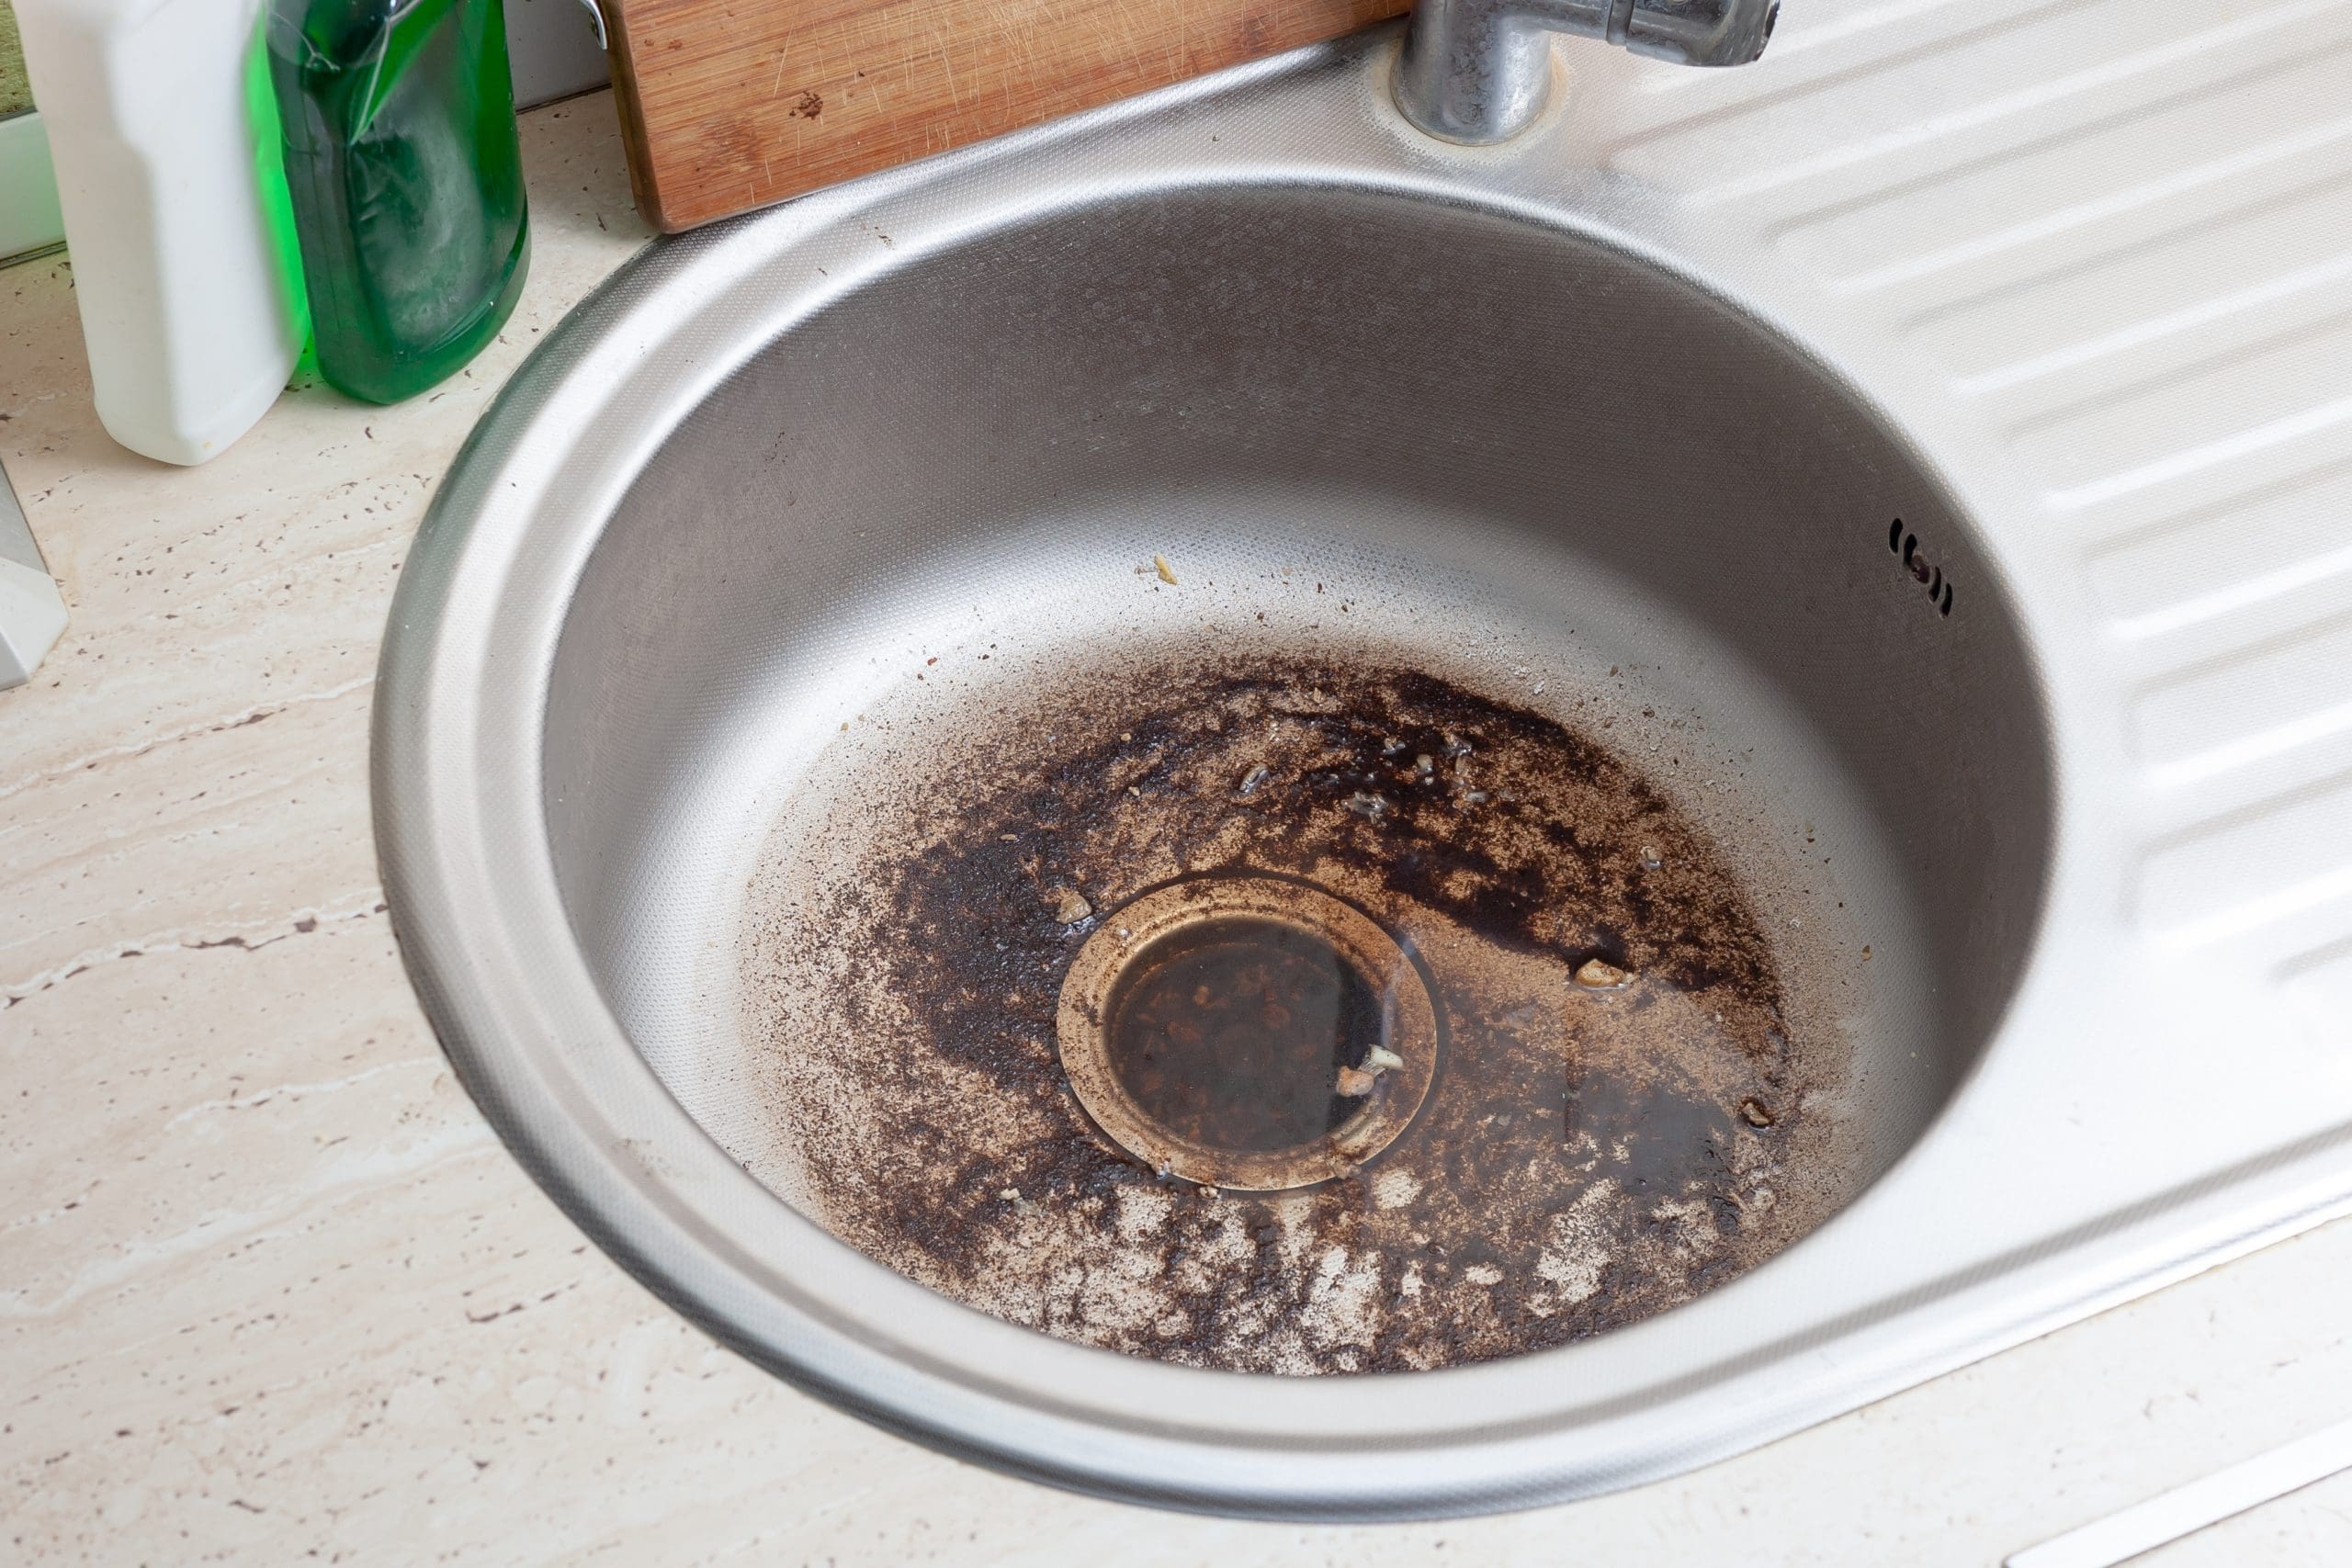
1625	1110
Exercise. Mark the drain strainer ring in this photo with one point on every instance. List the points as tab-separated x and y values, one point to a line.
1379	1083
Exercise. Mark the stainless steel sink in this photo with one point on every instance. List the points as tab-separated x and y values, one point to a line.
1247	373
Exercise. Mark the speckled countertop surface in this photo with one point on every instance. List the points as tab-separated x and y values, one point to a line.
271	1291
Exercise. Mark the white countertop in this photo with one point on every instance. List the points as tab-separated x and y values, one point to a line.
270	1289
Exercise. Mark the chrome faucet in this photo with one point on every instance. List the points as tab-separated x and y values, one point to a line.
1478	71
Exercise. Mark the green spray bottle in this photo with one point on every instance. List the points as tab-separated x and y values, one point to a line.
405	168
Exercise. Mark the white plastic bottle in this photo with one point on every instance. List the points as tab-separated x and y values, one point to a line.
164	137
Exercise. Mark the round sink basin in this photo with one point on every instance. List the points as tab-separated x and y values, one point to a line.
856	613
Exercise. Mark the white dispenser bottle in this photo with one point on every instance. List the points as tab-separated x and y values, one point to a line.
164	133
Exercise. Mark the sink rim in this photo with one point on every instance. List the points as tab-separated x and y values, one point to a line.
854	1366
445	839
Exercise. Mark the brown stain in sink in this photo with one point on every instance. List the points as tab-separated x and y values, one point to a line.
1586	1157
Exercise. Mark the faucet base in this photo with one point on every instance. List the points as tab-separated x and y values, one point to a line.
1478	71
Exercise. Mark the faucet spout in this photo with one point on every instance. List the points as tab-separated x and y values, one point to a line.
1478	71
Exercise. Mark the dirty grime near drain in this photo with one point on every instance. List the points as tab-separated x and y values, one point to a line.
1619	1117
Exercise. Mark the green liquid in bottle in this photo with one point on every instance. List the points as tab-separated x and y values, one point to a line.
406	174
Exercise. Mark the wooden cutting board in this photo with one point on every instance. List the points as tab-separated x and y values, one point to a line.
727	104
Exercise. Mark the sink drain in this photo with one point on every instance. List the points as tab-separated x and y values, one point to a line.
1247	1032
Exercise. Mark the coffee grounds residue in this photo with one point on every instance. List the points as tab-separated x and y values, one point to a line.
1585	1158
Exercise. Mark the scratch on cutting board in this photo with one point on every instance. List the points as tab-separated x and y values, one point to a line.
1126	19
776	84
948	69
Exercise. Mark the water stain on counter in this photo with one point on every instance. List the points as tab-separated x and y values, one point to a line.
1589	1155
